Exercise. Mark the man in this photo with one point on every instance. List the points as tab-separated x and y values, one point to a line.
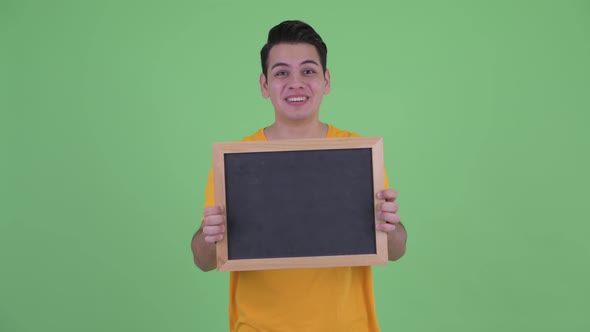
295	78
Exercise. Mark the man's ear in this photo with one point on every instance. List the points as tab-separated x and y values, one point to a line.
327	79
264	86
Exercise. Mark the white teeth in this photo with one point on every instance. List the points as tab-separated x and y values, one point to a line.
297	99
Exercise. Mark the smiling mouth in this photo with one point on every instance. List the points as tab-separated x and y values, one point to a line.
296	99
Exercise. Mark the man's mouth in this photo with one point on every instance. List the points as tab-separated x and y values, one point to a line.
296	100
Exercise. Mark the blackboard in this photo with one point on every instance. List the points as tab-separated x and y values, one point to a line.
299	203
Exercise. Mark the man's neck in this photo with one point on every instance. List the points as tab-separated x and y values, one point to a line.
278	131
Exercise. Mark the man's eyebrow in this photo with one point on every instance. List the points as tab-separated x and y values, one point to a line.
279	64
310	61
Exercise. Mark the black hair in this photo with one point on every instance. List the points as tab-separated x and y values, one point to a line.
292	32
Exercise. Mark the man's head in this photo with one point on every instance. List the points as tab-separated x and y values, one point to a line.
294	75
293	32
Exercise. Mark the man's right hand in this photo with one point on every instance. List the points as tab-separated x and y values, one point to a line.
213	224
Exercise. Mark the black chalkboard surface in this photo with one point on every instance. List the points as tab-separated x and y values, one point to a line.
299	203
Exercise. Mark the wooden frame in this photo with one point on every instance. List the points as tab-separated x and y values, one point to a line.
373	143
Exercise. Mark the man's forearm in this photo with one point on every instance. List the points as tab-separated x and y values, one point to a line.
396	242
204	254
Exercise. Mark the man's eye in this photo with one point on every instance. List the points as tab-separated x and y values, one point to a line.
309	71
281	73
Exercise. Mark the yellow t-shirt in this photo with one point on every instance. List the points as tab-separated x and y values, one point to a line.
300	300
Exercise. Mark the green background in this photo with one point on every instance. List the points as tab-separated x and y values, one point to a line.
109	110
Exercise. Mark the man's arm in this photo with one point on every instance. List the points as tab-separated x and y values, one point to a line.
396	242
203	242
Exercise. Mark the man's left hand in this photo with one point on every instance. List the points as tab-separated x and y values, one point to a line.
387	211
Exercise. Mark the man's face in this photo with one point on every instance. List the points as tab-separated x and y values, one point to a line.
296	83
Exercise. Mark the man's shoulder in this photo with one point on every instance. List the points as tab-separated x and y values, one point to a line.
257	136
334	132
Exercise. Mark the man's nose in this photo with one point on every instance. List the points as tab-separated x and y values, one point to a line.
296	81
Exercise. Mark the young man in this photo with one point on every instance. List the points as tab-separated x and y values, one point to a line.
295	78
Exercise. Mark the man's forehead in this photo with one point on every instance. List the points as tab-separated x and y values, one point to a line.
293	54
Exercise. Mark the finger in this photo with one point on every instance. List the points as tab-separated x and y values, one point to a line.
214	220
385	227
388	194
212	210
388	207
213	238
392	218
213	230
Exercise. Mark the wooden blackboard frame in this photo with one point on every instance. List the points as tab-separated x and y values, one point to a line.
378	173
